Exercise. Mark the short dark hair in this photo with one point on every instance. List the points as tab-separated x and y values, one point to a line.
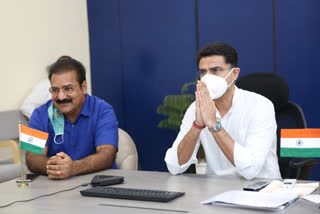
63	57
222	49
67	63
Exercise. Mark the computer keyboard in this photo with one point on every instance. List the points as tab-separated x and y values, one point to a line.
131	194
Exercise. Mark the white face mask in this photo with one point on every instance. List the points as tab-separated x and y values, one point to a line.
216	85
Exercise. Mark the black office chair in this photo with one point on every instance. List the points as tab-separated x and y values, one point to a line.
288	115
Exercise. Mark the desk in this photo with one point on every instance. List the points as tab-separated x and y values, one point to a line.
196	187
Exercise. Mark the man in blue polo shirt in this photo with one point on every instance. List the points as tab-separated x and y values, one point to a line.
83	129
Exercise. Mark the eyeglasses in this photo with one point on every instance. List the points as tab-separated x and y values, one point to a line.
68	89
214	70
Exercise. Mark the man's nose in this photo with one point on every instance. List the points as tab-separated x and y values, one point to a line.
61	95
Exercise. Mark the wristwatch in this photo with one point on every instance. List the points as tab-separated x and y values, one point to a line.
216	127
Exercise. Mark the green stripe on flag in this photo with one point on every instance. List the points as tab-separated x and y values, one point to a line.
299	152
31	148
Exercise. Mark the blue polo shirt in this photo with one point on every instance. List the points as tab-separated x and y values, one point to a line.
95	125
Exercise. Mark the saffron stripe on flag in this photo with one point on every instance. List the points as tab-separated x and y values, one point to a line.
300	133
31	148
300	152
33	132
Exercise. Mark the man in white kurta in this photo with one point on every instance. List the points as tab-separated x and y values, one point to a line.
237	130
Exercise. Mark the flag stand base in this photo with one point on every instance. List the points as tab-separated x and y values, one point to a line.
23	185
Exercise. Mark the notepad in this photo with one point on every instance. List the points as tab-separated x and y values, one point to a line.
302	189
253	200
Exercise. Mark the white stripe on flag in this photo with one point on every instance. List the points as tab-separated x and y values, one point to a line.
32	140
300	143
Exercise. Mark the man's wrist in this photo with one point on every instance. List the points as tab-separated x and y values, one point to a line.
217	126
73	168
197	126
211	123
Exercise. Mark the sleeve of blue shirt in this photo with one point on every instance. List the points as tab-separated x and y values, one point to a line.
35	121
107	127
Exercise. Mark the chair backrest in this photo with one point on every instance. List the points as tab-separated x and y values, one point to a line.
127	156
9	132
9	124
288	114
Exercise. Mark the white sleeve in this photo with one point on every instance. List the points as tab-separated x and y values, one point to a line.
250	159
171	157
40	94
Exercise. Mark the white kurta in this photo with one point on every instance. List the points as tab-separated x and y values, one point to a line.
251	124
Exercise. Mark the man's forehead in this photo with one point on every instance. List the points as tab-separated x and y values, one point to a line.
212	61
64	78
62	86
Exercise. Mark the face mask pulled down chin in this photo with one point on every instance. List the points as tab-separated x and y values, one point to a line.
216	85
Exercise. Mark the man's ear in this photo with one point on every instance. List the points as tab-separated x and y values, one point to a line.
236	72
84	87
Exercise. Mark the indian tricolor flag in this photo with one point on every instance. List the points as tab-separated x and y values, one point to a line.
300	143
32	140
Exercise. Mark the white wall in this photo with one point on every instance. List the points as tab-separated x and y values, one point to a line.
34	33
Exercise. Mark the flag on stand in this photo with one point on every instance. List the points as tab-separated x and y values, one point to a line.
32	140
300	143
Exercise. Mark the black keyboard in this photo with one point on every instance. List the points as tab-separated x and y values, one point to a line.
131	194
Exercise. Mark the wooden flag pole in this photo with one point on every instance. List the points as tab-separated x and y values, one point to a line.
22	184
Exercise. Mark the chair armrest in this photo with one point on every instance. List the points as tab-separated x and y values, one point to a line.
302	162
15	149
303	166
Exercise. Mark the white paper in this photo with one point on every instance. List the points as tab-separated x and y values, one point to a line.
302	189
313	198
250	199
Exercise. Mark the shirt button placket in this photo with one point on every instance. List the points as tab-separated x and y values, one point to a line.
72	142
